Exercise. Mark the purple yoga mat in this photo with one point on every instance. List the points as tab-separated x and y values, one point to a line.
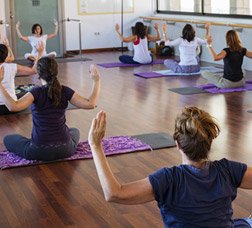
213	89
112	146
119	64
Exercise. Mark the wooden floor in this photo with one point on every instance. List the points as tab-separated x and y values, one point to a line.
69	194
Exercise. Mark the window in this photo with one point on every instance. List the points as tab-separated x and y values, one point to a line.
189	6
226	8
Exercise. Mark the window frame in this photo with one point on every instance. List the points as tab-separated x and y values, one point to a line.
202	13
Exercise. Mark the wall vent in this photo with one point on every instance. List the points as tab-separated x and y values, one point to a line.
35	2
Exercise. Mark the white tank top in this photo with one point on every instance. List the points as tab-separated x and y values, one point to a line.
10	71
141	52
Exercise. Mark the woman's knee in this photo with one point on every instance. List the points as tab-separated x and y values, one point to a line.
171	64
75	134
122	58
206	74
7	141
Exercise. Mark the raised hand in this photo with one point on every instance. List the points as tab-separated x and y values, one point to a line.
40	47
156	26
55	22
6	42
164	27
1	74
117	27
97	129
17	25
94	72
208	25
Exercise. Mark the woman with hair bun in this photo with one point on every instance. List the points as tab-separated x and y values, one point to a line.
51	138
197	193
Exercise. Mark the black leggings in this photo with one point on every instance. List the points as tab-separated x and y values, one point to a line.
4	110
25	148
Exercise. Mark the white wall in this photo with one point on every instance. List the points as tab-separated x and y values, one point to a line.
218	33
104	24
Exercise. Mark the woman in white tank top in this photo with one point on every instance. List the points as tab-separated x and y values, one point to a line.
140	43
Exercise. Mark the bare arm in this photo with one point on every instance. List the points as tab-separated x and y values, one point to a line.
249	54
12	105
247	179
89	103
24	70
131	193
24	38
207	27
56	29
215	56
157	36
164	28
124	39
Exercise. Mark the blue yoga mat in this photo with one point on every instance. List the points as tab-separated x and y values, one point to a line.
166	73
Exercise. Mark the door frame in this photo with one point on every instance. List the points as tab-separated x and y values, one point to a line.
11	29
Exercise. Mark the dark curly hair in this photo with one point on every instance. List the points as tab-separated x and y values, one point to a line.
34	28
3	53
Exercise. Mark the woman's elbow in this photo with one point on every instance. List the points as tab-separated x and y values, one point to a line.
90	106
112	198
13	108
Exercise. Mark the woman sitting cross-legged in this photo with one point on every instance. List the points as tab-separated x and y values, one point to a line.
232	57
37	37
140	43
197	193
188	45
51	138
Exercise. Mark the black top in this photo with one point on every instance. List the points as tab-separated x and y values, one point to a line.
233	63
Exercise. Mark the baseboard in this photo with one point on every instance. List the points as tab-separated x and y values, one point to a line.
77	52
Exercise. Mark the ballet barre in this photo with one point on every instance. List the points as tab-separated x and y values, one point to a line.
198	22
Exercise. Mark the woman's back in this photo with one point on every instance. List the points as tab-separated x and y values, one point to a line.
141	52
233	64
192	197
49	122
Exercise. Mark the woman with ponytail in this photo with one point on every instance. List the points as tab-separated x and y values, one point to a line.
51	138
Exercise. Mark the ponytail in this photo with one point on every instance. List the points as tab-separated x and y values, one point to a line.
48	71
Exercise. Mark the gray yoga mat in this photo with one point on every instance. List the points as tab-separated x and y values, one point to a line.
188	90
250	111
157	140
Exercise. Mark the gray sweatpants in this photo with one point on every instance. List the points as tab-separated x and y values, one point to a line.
219	81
